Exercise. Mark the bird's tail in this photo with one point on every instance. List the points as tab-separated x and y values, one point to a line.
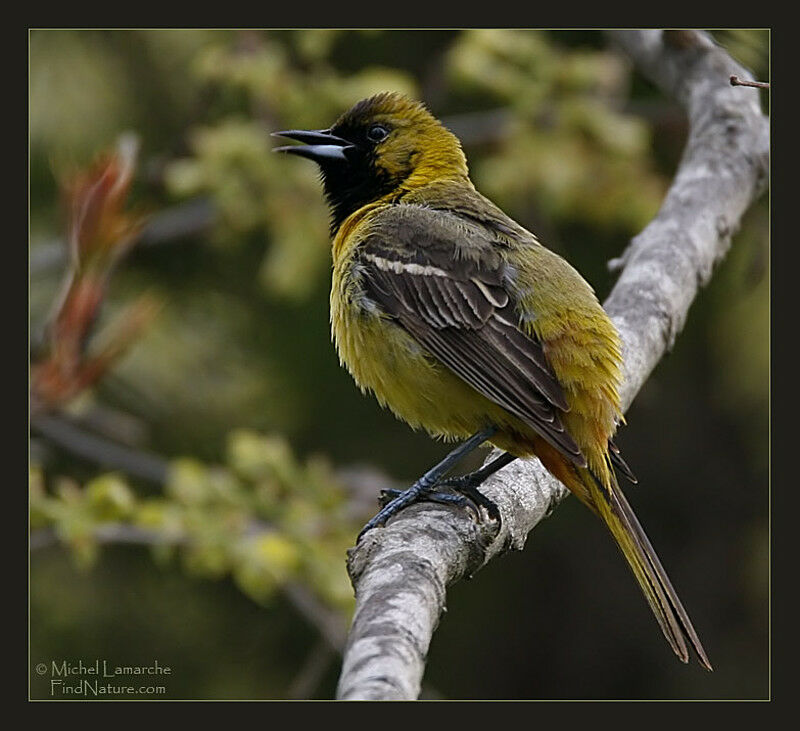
613	508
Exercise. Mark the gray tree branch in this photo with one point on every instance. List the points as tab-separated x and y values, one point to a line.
400	573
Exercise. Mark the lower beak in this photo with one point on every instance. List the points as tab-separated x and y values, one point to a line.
320	145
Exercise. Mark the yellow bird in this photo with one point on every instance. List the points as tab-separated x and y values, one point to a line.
461	322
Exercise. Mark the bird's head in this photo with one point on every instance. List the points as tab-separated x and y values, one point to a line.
382	146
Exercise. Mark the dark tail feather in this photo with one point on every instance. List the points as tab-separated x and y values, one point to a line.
653	580
619	463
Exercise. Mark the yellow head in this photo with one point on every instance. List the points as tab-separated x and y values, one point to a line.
383	145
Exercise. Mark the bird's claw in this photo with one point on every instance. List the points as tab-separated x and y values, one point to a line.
393	500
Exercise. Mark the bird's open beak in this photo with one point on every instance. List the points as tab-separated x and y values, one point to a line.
320	145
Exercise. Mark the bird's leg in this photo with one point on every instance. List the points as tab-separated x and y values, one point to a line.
429	480
473	479
465	487
468	484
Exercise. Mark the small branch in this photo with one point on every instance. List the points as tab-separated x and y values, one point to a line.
400	573
330	624
480	128
63	433
310	675
191	218
360	481
736	81
109	533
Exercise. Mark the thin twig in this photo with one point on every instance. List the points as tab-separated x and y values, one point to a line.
361	481
190	218
64	433
736	81
310	674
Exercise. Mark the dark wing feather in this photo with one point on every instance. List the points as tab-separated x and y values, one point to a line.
463	316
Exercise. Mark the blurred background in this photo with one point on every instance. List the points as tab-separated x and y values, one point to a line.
199	461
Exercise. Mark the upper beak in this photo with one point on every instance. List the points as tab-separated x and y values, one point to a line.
320	145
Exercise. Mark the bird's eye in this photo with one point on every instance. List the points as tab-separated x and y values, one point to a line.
377	132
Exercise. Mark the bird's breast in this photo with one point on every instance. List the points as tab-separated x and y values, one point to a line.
386	361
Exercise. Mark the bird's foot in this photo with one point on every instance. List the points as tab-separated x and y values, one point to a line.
466	487
438	496
443	498
427	485
465	495
393	505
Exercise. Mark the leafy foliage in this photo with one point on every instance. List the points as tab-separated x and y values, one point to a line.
591	158
263	518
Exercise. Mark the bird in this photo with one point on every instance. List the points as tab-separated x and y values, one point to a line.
462	323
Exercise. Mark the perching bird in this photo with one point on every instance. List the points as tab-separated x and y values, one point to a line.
461	322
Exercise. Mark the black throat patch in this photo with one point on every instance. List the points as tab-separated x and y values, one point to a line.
348	187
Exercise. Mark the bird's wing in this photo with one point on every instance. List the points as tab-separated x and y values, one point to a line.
460	310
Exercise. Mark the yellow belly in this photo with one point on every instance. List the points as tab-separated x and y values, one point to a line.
385	361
